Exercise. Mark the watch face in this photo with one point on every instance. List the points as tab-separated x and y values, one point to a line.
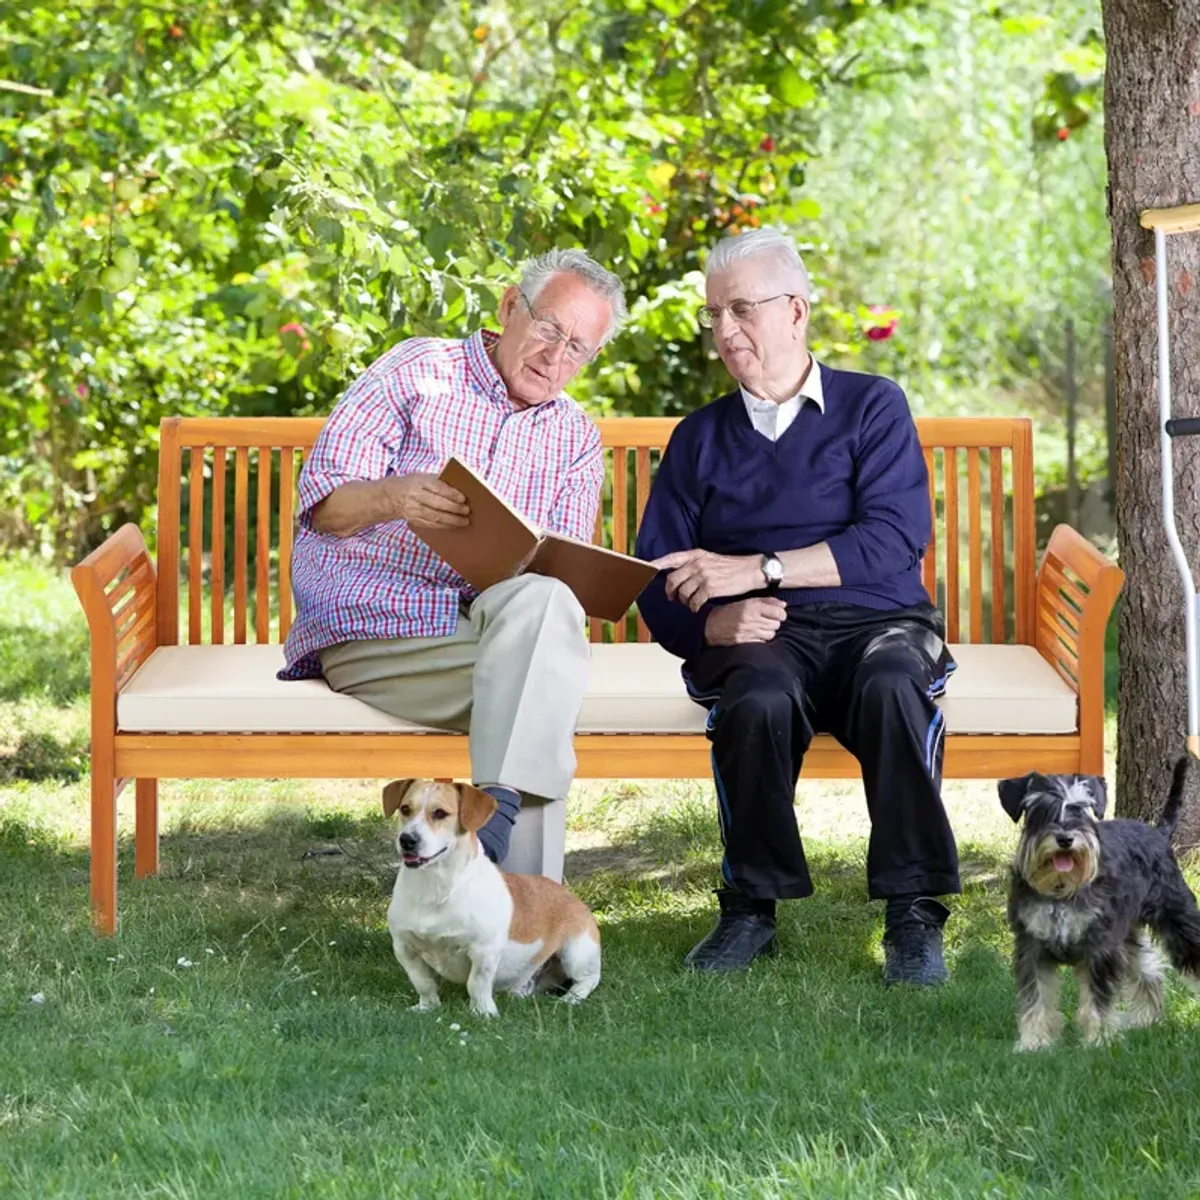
773	568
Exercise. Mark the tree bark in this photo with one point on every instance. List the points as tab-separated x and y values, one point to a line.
1152	139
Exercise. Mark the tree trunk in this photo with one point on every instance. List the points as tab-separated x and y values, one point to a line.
1152	138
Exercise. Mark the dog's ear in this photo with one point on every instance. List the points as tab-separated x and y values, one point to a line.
1098	789
474	806
394	794
1013	793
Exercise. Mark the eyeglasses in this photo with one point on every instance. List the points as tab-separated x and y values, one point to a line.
578	352
741	310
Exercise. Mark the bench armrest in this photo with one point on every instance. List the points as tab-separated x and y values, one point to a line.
1076	590
117	586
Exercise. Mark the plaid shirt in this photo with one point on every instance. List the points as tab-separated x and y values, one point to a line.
423	401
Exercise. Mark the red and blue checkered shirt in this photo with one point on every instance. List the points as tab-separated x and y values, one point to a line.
423	401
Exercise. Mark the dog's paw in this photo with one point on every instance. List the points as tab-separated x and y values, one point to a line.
1024	1045
426	1004
486	1008
1141	1016
1099	1035
1040	1037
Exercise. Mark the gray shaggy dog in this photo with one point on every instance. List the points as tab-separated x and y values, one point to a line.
1084	893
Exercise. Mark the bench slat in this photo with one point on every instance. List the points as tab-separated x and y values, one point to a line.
595	625
131	581
996	504
195	542
975	542
1065	591
137	606
631	432
1024	546
262	548
620	517
137	633
287	501
241	517
600	756
642	495
929	564
950	484
218	545
169	479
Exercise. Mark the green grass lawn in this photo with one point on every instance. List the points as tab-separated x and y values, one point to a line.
248	1032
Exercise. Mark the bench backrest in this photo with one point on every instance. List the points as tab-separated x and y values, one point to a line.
226	512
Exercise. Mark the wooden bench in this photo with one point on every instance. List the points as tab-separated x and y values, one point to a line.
184	650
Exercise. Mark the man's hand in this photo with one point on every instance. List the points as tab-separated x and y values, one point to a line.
424	500
698	576
754	620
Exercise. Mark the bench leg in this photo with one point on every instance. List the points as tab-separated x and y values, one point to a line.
104	849
146	829
539	839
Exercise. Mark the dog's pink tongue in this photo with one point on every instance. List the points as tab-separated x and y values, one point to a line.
1063	862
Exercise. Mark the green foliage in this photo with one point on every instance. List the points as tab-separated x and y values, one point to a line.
235	208
984	230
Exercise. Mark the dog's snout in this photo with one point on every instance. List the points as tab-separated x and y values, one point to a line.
1065	841
409	840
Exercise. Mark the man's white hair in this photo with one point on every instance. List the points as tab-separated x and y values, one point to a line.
765	243
538	272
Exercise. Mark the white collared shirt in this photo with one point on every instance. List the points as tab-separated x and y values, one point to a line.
771	419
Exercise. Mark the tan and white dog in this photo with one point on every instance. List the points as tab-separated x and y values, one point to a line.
454	913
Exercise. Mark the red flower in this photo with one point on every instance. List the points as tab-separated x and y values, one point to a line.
300	332
767	145
1063	134
81	390
881	331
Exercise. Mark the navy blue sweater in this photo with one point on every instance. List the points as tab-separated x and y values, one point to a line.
852	476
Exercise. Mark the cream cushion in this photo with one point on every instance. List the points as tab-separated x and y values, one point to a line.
634	688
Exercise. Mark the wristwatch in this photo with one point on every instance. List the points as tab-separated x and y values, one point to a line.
772	570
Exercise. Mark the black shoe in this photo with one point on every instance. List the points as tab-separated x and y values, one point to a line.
744	931
912	944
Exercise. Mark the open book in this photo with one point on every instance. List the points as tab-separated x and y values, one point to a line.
499	543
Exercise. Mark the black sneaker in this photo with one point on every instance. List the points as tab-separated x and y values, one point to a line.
912	944
744	931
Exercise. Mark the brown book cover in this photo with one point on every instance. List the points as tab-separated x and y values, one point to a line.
500	543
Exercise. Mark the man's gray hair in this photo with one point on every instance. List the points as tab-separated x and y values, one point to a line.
604	283
765	243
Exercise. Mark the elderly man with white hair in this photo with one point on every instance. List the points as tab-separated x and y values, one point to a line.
790	518
385	619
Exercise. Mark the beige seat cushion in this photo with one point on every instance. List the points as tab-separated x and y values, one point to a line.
634	688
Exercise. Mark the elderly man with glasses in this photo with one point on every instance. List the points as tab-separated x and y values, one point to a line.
383	618
790	518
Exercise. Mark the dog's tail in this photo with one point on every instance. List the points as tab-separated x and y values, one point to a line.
1170	813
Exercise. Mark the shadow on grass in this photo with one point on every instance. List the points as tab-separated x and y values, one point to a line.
35	755
308	891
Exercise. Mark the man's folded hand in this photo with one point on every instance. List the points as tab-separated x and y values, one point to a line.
754	620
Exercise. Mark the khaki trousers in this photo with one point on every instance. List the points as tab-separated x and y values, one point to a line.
511	676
